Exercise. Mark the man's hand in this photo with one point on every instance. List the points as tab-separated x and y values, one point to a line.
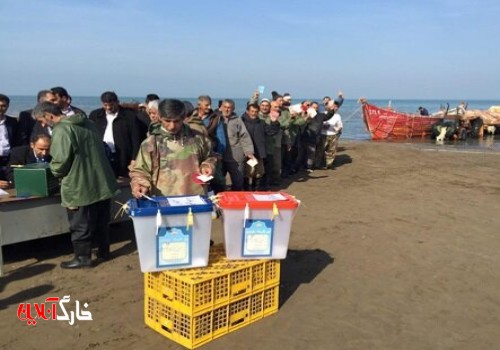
139	190
256	94
131	165
4	184
206	170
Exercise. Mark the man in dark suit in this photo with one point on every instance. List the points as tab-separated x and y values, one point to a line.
8	138
63	100
36	152
118	128
27	122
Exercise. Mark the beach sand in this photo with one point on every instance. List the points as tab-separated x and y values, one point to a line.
397	248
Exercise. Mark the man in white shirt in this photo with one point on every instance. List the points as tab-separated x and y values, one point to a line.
63	100
118	128
330	134
8	138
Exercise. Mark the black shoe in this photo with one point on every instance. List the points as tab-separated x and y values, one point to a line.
104	256
77	263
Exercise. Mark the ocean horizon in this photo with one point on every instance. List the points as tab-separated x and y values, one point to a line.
354	128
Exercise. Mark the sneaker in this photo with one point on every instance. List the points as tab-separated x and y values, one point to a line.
309	170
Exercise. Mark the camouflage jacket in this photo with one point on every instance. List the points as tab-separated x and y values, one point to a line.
166	163
196	124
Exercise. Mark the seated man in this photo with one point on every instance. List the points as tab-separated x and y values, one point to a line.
36	152
423	111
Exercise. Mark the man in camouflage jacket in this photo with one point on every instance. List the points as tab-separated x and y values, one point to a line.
170	156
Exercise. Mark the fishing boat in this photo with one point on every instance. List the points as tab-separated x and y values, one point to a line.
387	124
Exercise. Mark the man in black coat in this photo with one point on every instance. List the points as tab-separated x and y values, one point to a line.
27	123
63	100
118	128
256	128
36	152
311	136
8	138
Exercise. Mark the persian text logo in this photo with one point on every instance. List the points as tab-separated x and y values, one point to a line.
30	312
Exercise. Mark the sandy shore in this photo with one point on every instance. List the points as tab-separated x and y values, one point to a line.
397	248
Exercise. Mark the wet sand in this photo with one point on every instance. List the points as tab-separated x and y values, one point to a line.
397	248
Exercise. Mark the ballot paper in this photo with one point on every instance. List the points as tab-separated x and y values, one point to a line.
252	162
204	178
186	201
271	197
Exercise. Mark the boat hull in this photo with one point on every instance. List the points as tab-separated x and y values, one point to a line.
386	124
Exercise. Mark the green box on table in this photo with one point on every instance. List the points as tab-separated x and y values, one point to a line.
35	180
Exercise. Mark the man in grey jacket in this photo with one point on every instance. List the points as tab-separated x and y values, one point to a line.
238	145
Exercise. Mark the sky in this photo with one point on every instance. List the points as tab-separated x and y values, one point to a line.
440	49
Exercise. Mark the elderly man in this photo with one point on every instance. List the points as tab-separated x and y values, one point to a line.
232	141
118	128
330	134
87	181
199	118
143	116
27	122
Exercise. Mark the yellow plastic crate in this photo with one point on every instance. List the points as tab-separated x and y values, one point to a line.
197	289
192	331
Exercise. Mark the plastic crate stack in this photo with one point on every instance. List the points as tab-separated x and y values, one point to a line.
194	306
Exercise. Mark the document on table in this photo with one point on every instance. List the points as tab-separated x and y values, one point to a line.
3	193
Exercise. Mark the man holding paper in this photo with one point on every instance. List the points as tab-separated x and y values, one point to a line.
256	128
172	157
232	141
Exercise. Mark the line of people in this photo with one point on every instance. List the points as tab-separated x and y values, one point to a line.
270	140
164	155
277	138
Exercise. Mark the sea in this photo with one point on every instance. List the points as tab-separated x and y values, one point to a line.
354	128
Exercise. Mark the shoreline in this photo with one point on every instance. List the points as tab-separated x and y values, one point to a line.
395	242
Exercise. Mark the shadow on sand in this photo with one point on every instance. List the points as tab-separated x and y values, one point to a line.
299	267
52	247
30	293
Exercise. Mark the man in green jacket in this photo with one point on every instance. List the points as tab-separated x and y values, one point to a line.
87	181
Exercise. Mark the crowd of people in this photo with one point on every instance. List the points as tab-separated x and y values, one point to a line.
164	147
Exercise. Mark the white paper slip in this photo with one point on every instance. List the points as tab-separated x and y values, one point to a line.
269	197
204	178
252	162
3	193
183	201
